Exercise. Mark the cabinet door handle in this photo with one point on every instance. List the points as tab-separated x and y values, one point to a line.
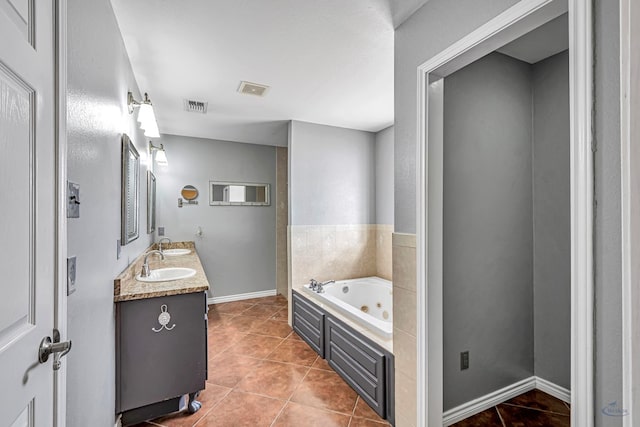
163	319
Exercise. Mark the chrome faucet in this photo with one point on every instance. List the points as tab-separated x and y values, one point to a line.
162	240
146	271
319	287
316	286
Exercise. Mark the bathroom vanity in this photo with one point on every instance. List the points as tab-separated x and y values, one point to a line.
161	339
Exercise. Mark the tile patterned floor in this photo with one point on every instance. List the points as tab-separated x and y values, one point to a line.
532	409
262	374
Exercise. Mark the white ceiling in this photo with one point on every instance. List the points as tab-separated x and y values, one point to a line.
327	62
541	43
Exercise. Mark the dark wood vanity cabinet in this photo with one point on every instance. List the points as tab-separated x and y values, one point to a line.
363	364
161	353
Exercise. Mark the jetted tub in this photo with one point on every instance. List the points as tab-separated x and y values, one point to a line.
367	301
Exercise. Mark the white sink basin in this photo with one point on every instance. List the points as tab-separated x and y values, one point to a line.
176	252
167	274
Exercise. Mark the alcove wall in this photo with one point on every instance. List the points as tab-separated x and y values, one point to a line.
506	278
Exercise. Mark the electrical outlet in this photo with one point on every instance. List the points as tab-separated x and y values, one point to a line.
464	360
71	275
118	248
160	231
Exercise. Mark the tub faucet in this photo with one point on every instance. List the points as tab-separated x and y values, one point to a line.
146	271
313	284
162	240
319	286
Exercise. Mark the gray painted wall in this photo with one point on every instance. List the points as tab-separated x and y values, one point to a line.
551	220
384	176
238	245
488	227
491	237
607	244
434	27
331	175
99	75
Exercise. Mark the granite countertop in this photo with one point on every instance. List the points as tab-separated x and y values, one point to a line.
127	288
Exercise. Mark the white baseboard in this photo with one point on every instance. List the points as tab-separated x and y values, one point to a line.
553	389
483	403
240	297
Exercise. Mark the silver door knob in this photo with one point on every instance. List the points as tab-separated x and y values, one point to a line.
48	347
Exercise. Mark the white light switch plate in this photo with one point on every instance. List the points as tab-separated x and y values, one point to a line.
73	200
71	275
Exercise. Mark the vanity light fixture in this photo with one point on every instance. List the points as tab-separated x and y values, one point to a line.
161	155
146	116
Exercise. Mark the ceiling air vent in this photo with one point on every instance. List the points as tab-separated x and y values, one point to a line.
256	89
195	106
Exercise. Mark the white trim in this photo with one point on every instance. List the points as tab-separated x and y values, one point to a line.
485	402
240	297
435	189
629	111
511	24
60	378
422	336
581	158
553	389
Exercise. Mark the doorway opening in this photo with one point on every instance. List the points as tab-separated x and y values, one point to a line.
504	212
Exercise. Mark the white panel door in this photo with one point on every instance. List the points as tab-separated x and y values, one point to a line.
27	215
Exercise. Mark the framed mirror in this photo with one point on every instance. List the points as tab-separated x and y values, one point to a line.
130	191
239	194
151	202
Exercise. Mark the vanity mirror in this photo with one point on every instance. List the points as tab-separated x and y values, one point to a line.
189	192
238	194
130	191
151	202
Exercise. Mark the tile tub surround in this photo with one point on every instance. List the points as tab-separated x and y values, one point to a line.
384	250
127	288
263	374
404	327
282	220
533	408
326	252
